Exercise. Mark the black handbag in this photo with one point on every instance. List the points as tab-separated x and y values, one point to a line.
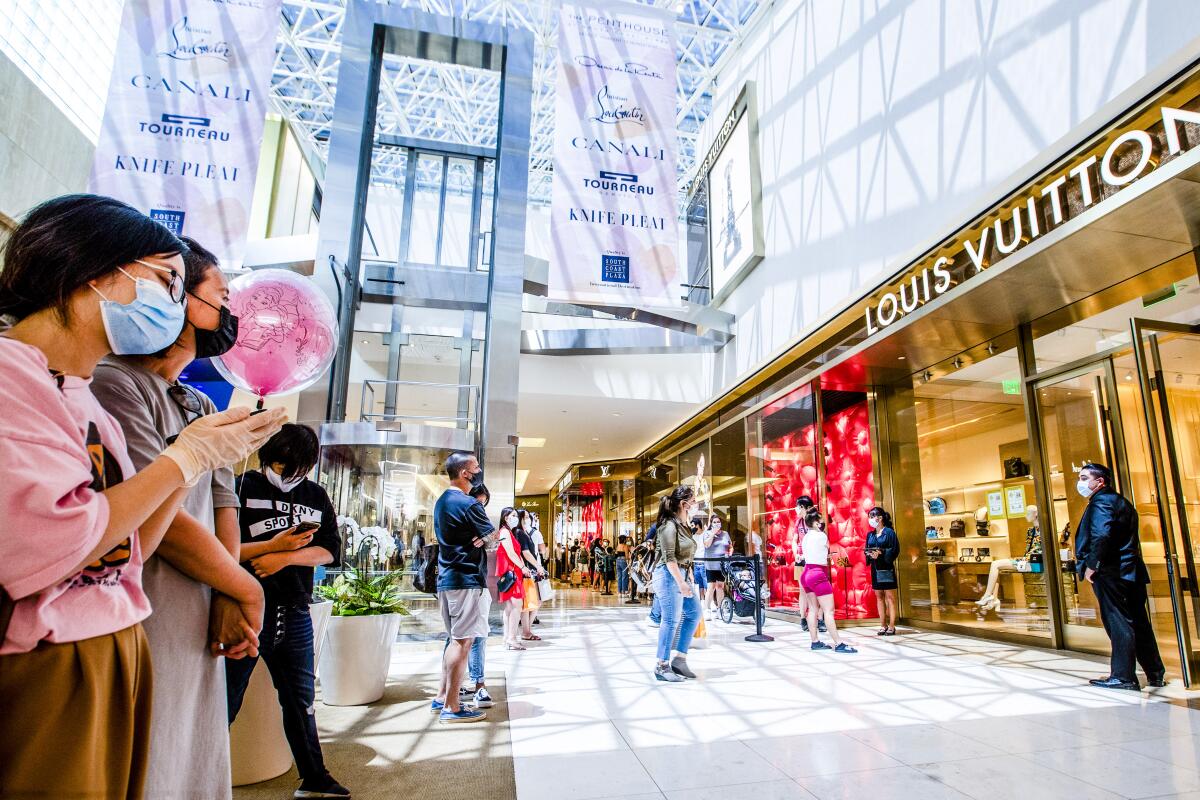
1015	467
506	581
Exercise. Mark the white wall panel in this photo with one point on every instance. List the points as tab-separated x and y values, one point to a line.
886	125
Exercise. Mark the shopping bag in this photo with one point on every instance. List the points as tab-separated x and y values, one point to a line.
700	637
545	590
529	601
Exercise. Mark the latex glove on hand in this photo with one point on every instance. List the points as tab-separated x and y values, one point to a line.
218	440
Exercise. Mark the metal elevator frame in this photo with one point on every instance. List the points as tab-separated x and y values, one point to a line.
368	31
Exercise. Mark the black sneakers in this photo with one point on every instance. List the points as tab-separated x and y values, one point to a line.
321	787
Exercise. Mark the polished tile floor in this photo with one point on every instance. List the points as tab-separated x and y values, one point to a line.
923	715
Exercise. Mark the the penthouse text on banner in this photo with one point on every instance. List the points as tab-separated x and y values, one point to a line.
615	205
184	121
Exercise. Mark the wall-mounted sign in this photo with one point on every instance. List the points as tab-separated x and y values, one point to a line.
614	209
731	172
1061	196
183	123
995	505
1014	501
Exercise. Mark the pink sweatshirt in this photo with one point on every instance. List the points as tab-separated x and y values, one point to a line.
58	450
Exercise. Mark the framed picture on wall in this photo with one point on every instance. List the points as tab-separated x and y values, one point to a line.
1014	500
730	171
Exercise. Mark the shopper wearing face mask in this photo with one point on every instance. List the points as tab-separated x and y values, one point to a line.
145	396
1108	554
85	276
882	549
529	554
288	527
815	582
511	572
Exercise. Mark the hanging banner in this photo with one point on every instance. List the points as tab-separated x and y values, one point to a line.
184	120
615	206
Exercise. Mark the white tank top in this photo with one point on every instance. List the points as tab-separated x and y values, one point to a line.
815	547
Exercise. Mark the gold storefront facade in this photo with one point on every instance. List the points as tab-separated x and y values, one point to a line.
1057	327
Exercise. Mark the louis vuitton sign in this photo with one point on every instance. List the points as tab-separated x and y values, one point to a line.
1091	179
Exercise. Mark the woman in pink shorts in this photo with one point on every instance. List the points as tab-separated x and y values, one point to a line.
815	582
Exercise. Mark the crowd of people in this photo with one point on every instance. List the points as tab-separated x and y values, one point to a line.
140	580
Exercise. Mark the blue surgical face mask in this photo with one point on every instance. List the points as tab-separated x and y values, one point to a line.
152	322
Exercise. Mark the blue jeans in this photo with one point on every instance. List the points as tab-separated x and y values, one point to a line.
474	658
286	644
655	608
622	575
680	615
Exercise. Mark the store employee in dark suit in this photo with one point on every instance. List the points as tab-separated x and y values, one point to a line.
1108	554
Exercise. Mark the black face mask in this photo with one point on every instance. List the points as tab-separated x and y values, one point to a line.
477	479
221	340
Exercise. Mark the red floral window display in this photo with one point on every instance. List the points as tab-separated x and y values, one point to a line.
592	516
850	493
785	467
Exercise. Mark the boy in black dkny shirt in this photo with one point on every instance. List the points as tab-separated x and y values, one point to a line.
279	545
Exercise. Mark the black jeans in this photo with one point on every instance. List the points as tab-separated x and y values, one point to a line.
1127	623
286	644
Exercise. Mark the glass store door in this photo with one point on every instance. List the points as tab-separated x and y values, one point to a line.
1080	421
1167	357
1137	410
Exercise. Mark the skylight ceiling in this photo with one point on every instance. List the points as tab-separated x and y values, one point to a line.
457	105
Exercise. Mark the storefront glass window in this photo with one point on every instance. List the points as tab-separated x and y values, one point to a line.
694	472
966	515
849	495
657	479
782	463
728	450
784	440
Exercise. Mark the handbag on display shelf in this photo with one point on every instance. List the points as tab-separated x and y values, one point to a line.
1015	467
958	528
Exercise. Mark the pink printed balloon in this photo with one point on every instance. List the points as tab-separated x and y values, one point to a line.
287	333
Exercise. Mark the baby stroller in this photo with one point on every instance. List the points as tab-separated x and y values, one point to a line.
742	596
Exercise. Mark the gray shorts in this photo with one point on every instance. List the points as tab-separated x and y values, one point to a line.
464	612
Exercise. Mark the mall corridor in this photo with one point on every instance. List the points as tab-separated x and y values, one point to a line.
921	715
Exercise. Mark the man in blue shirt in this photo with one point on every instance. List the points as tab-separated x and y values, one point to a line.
462	528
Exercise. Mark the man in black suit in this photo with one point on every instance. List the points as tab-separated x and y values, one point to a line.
1108	554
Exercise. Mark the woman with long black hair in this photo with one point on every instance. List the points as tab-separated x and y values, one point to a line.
85	276
674	585
882	549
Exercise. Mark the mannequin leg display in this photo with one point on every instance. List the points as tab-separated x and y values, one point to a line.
990	599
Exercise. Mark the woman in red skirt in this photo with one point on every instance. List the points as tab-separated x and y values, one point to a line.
510	563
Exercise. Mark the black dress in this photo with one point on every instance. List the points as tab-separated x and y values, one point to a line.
886	541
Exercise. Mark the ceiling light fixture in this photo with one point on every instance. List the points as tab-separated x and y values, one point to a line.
531	441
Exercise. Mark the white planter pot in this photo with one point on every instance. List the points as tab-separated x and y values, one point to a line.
355	659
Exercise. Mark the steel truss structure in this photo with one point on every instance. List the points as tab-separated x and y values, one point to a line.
440	102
